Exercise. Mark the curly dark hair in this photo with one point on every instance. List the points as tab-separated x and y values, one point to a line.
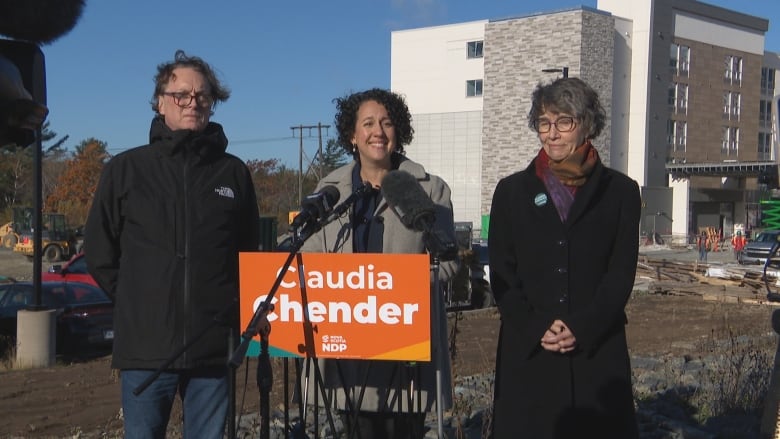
219	92
346	116
572	96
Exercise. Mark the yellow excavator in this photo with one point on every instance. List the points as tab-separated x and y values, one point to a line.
58	241
8	236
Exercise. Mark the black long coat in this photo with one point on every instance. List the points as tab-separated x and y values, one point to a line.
582	272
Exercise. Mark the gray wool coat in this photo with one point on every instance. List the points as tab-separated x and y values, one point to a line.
386	385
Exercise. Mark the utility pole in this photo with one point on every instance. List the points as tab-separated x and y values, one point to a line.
319	149
300	129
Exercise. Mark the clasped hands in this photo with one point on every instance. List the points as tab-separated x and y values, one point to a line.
559	338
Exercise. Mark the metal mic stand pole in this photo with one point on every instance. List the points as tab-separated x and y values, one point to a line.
439	247
299	237
264	382
437	310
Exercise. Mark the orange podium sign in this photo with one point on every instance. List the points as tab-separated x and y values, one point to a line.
360	306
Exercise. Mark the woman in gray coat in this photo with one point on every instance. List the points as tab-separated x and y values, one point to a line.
374	125
563	246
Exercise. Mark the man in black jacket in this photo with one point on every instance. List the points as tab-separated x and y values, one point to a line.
162	238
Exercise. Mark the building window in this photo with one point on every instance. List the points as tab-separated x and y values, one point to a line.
680	135
733	70
474	49
679	59
685	60
764	146
670	134
731	105
678	98
730	141
474	87
681	99
767	81
765	114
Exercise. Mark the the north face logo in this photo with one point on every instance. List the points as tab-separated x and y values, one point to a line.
224	192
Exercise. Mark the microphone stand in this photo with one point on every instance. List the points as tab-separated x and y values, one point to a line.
440	248
264	371
299	236
435	265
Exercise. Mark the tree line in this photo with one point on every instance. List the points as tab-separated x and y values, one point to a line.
69	178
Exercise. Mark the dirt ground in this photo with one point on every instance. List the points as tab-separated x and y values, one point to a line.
79	398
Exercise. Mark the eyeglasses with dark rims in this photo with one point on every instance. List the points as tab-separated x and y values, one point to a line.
563	124
183	98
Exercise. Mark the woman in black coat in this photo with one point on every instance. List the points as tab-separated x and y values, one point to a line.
563	246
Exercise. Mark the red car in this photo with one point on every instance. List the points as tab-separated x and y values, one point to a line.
75	270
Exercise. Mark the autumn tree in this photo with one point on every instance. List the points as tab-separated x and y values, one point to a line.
53	165
333	156
76	186
15	176
277	188
16	170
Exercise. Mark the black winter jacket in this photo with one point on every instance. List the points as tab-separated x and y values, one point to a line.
162	238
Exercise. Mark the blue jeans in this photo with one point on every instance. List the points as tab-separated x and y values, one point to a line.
204	394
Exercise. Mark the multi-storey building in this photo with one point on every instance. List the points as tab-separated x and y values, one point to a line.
688	88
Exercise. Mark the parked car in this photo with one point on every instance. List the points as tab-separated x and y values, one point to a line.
75	270
85	313
469	287
757	250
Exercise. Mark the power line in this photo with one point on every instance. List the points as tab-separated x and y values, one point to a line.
261	140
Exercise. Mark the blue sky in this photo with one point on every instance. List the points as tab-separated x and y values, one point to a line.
285	61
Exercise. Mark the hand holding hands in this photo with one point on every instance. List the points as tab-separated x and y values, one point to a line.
559	338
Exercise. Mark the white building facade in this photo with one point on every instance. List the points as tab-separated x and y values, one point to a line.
469	85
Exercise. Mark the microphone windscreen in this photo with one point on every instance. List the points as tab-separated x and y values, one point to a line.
405	195
39	21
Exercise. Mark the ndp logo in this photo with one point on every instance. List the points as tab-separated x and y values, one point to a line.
334	343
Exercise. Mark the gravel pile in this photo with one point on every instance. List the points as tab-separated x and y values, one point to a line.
664	388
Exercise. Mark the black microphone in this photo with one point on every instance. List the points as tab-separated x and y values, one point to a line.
364	189
39	21
408	200
316	206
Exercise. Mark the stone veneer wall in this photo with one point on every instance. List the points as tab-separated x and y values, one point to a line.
516	50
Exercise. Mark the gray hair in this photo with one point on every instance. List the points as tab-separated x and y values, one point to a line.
571	96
